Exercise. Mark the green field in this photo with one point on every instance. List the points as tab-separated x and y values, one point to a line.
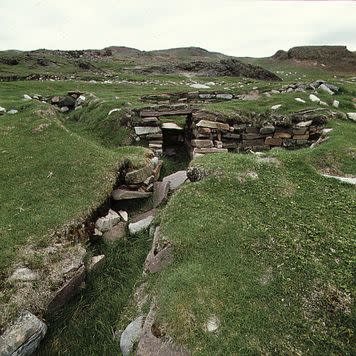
271	257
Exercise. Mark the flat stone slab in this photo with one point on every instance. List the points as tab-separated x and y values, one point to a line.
22	337
96	262
140	225
122	194
171	126
176	179
160	193
131	335
146	130
213	125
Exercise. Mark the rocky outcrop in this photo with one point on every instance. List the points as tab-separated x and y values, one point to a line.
224	68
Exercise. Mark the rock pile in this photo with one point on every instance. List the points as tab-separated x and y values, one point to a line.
72	101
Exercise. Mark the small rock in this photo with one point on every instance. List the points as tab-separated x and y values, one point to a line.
155	161
199	86
326	89
64	109
27	97
107	222
176	179
300	100
304	123
314	98
113	110
124	215
131	335
2	111
145	130
267	130
276	107
24	336
224	96
80	100
323	103
96	262
212	324
171	126
24	275
336	104
97	232
352	116
11	112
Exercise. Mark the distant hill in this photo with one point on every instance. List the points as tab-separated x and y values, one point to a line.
332	56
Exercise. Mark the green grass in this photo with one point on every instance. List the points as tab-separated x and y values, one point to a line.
271	258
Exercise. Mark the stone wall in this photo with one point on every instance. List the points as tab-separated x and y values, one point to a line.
207	132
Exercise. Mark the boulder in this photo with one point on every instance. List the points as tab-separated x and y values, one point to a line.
139	175
107	222
160	193
123	194
115	233
131	335
23	336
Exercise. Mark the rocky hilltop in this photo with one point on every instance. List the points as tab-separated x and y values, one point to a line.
333	56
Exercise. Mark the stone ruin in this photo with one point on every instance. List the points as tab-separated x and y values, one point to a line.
207	132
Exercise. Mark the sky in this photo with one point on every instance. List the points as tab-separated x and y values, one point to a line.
238	28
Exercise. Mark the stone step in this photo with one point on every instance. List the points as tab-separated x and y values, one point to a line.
122	194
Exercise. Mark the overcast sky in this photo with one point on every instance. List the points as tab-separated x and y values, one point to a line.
240	28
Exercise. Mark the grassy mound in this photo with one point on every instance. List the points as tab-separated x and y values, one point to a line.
270	257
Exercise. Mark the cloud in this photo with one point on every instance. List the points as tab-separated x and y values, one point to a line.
242	28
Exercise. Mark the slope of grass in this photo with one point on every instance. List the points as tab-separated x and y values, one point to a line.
271	257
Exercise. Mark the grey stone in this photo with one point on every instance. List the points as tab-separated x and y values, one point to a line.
267	130
2	111
124	215
212	324
143	130
300	100
141	225
160	193
24	275
23	337
107	222
27	97
131	335
202	143
349	180
80	100
326	89
304	123
276	107
96	262
171	126
11	112
122	194
115	233
64	108
176	179
206	96
336	104
139	175
213	125
224	96
314	98
352	116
